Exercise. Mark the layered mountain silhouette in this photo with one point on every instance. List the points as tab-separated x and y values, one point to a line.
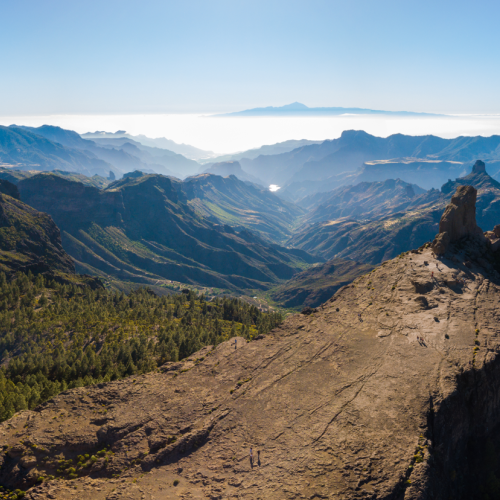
366	200
124	154
186	150
322	167
143	230
226	168
272	149
27	150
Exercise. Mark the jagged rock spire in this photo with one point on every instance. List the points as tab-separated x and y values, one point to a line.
459	218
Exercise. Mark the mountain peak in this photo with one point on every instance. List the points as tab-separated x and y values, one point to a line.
295	105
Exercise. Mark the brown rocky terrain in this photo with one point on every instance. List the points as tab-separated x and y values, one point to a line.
385	391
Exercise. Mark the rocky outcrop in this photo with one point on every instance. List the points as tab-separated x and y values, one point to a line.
458	220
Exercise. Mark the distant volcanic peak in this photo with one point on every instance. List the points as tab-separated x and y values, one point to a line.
479	167
458	220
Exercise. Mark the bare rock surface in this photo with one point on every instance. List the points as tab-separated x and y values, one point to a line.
374	395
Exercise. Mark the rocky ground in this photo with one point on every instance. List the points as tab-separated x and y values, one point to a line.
375	394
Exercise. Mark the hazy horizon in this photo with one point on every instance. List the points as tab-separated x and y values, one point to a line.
234	134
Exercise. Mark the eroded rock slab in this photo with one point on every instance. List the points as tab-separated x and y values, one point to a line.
351	401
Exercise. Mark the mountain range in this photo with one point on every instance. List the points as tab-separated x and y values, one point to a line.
322	167
406	221
160	143
273	149
168	368
144	230
298	109
49	148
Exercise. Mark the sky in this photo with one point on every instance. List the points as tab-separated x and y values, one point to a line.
156	56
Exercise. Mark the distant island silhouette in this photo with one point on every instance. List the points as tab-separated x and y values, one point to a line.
299	109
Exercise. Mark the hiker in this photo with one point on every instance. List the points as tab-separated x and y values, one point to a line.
432	274
251	455
235	341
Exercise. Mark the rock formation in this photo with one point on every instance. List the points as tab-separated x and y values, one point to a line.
458	220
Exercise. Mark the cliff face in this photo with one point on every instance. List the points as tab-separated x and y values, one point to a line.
29	240
388	390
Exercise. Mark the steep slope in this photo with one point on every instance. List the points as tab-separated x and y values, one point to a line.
29	240
24	149
389	390
162	161
391	233
142	229
228	200
15	176
316	285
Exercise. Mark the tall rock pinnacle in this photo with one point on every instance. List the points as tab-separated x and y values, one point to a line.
459	217
479	167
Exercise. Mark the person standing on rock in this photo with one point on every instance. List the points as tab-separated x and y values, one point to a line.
251	457
235	344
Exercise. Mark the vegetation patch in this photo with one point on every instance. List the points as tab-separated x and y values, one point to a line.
55	337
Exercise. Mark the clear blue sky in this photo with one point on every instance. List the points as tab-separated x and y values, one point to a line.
110	56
